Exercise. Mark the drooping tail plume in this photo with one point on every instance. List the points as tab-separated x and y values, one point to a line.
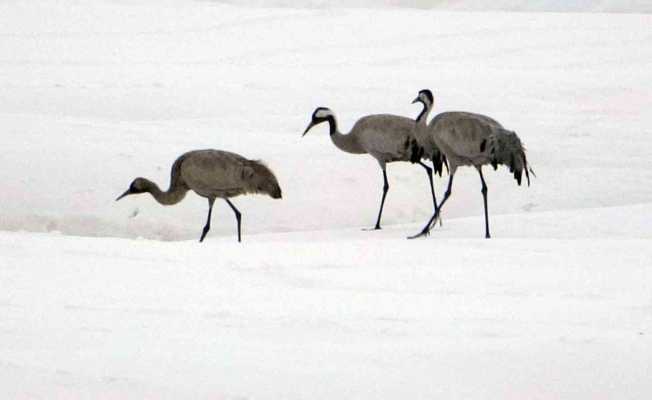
508	150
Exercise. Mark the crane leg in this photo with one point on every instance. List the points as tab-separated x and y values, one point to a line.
426	229
238	217
382	202
207	227
432	188
486	211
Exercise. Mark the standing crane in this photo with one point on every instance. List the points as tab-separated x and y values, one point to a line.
211	174
431	151
387	138
474	140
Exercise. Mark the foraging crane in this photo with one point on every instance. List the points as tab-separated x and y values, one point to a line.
211	174
387	138
475	140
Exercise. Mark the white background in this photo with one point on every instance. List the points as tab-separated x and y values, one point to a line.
118	300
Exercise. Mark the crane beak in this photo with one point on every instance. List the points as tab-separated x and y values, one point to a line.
416	100
128	192
312	123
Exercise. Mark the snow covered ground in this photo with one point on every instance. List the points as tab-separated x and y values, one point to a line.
619	6
118	300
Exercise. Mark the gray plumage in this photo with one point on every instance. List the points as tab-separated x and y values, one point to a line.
473	140
211	174
387	138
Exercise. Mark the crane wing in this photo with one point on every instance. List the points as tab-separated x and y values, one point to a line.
214	173
388	137
465	135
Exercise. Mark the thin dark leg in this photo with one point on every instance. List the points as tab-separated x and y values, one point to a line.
382	202
207	227
486	211
432	188
426	229
433	194
238	217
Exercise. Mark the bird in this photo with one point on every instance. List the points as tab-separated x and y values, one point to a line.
468	139
431	151
211	174
385	137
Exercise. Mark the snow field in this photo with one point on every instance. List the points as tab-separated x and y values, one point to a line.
114	300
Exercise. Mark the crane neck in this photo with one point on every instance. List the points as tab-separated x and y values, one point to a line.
347	143
421	127
172	196
422	119
332	124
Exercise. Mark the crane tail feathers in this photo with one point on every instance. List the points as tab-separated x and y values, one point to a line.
510	151
438	162
416	151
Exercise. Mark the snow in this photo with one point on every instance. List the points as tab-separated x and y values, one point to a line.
118	300
161	320
620	6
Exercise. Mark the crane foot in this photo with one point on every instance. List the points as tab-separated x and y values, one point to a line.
423	233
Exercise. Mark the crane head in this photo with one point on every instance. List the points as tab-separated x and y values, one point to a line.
425	97
321	114
139	185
